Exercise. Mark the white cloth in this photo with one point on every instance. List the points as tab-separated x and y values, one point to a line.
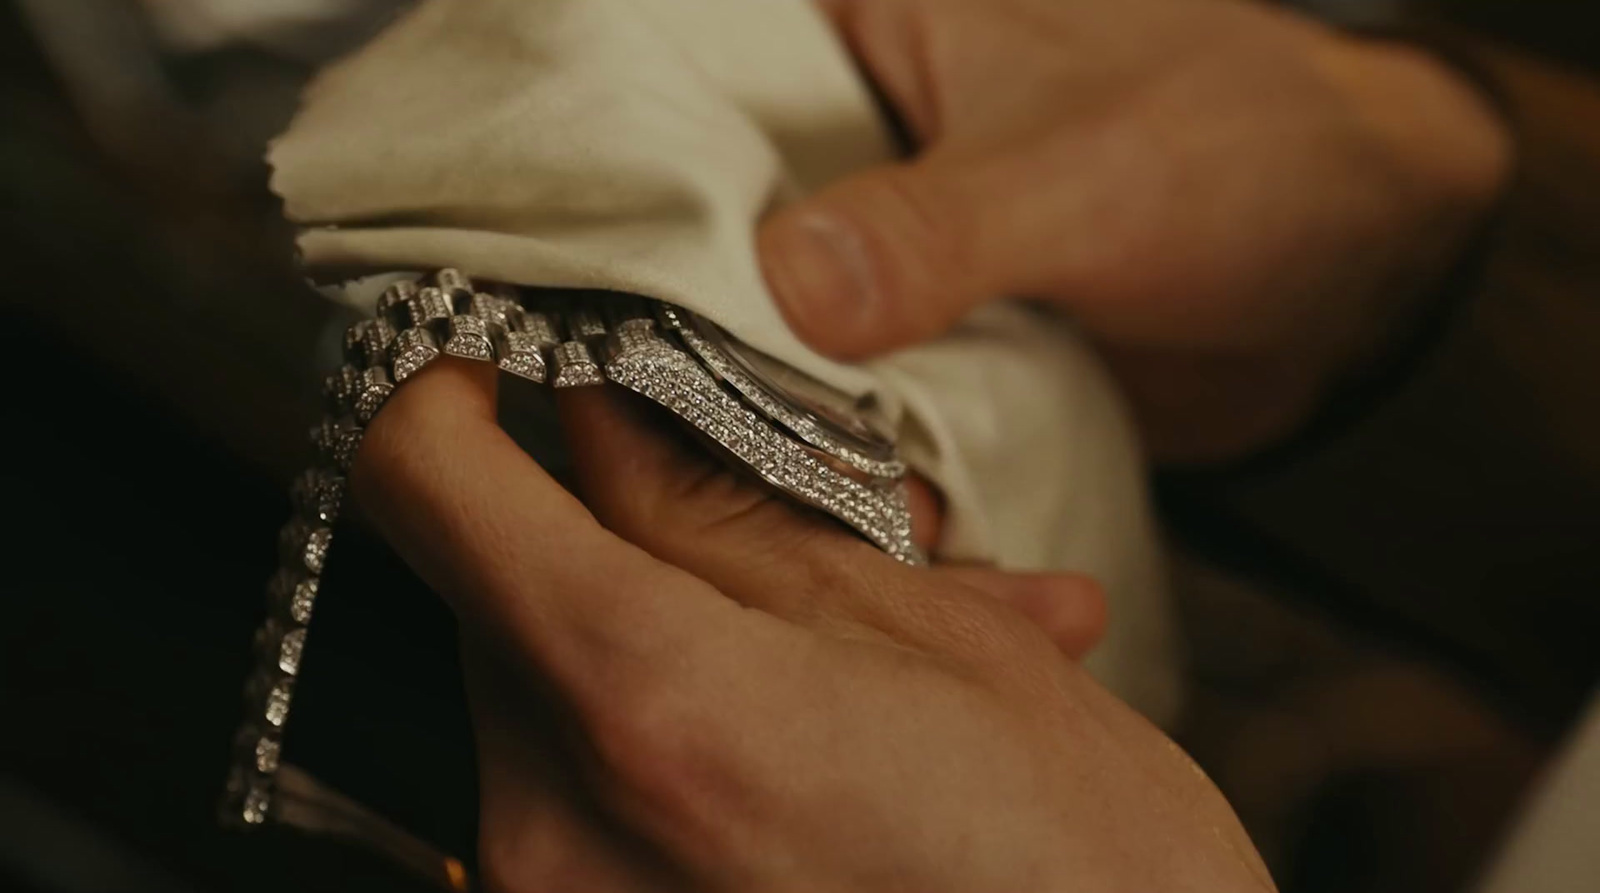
1555	847
633	145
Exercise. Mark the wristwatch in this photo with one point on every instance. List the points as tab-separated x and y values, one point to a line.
807	440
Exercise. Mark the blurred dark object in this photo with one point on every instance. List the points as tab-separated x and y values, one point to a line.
137	220
1463	515
130	612
49	849
1449	542
209	81
143	246
1567	30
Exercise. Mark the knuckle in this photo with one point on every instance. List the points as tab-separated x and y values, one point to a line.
505	864
662	751
647	738
543	849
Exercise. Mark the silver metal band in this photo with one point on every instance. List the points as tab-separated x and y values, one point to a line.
641	345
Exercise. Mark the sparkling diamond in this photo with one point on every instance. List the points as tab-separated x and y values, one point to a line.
775	409
430	304
289	650
539	329
372	348
501	315
303	600
317	495
413	349
469	338
257	806
267	751
306	544
396	296
337	440
520	355
583	324
453	282
575	366
277	706
339	388
317	548
372	390
353	337
682	385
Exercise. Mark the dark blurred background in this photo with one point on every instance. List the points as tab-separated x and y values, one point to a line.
1385	644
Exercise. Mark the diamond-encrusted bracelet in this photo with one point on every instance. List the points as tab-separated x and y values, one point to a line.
649	347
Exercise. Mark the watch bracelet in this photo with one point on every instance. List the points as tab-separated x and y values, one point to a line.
545	339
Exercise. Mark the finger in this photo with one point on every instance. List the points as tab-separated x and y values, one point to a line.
539	828
890	41
1070	608
833	9
673	499
927	513
882	259
989	208
513	552
652	486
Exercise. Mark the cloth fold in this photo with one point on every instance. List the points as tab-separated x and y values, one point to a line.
633	145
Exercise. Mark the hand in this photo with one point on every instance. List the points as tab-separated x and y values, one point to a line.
1236	203
699	687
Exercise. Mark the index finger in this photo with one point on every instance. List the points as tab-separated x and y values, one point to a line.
517	555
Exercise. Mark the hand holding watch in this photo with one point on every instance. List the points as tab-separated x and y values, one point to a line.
810	442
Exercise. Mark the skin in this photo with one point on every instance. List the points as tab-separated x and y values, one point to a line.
679	683
682	683
1238	205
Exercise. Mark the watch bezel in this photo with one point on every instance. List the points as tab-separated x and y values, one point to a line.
866	451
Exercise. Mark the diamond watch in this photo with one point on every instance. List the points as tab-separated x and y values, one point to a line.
810	442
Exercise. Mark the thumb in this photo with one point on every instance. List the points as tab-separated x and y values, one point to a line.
885	258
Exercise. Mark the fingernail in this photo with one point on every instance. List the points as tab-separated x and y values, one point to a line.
822	277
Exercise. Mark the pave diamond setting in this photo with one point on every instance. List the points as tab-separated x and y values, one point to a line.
548	340
671	378
290	647
575	366
801	424
276	710
413	349
469	338
521	354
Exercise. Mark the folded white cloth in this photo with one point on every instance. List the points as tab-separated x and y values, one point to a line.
633	145
1553	848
